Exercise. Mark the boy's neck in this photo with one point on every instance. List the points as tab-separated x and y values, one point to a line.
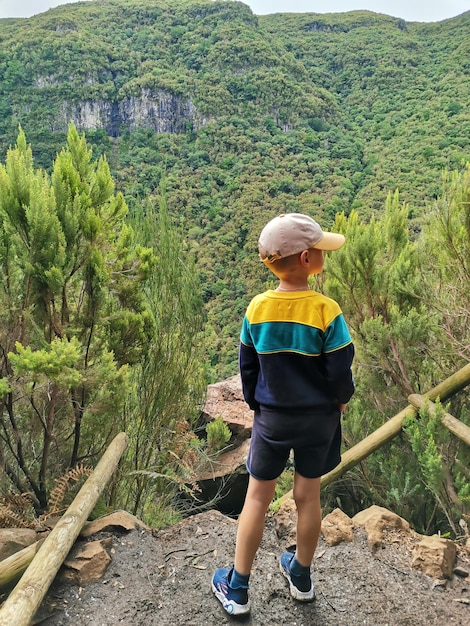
286	285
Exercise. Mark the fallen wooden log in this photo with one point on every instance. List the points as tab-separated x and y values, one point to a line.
14	566
24	600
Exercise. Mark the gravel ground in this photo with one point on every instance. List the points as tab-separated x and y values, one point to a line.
163	577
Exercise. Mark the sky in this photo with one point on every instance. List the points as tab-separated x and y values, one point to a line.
409	10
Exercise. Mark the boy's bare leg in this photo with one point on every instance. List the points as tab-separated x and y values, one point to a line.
307	500
251	522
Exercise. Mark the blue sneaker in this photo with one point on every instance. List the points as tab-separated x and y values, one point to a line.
301	587
234	601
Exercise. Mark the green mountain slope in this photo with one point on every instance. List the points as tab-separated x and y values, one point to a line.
243	116
403	88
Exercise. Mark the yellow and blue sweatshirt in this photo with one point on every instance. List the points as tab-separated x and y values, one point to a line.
295	352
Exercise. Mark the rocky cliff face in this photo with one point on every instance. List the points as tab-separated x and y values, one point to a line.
159	110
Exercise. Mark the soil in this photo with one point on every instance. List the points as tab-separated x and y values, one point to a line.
163	577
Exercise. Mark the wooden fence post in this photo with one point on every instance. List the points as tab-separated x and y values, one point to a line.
24	600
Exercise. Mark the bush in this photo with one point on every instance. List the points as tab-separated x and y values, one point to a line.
218	435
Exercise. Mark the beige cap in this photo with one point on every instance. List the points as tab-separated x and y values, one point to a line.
291	233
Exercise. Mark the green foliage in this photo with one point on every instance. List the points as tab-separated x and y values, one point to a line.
218	435
316	113
100	331
168	383
395	310
443	463
57	362
375	278
4	387
285	482
446	264
69	276
324	114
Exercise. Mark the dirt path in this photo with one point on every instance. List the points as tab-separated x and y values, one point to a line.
164	578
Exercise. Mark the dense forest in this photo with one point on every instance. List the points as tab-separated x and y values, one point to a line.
187	124
260	114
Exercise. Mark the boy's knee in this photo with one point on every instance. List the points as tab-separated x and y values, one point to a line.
305	499
306	491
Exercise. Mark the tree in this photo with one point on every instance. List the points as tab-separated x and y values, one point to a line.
391	289
72	312
169	382
446	261
445	271
375	278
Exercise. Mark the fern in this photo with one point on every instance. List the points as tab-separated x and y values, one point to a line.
10	519
17	510
64	484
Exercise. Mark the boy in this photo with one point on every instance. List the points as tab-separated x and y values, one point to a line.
295	364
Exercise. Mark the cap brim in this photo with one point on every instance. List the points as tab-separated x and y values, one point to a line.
330	241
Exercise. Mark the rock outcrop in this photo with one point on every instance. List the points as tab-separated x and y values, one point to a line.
85	563
224	480
13	540
435	557
225	399
337	527
377	519
160	110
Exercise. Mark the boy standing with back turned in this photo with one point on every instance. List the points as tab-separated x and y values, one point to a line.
295	365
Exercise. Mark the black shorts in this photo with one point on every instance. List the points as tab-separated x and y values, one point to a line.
314	437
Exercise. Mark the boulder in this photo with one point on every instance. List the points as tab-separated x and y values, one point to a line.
223	480
435	557
337	527
13	540
86	562
376	520
225	399
119	520
285	520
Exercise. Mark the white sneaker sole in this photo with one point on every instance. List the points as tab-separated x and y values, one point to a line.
302	596
231	607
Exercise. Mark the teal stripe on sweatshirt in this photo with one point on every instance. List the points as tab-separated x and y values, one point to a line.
336	335
271	337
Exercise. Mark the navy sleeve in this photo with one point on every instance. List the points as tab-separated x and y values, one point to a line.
338	373
249	369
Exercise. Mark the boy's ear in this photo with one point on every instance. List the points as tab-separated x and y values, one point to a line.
303	258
